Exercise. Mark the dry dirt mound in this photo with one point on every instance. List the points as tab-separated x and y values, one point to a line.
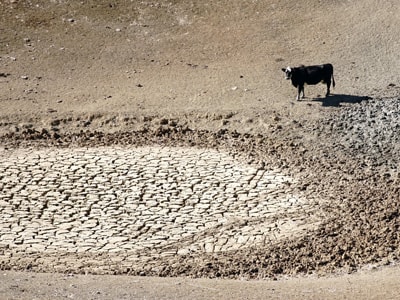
104	60
183	73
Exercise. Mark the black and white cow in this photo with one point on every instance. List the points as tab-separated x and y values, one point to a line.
310	75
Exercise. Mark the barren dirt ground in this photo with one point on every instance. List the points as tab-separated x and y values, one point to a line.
382	284
207	74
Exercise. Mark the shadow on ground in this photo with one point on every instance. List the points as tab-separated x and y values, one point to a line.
337	99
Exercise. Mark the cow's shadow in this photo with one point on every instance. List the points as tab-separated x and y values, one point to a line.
335	100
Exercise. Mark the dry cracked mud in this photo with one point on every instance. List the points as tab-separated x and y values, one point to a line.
255	207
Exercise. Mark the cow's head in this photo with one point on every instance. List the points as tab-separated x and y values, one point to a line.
288	72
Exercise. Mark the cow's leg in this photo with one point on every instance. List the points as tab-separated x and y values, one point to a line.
300	89
328	87
304	95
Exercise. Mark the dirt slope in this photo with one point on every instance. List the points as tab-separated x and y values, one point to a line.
176	58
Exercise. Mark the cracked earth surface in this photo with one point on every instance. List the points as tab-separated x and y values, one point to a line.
135	200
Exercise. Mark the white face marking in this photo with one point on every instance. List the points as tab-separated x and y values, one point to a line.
288	73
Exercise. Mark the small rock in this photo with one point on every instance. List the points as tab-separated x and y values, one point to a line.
164	121
55	122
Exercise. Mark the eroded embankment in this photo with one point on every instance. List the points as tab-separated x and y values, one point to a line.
345	168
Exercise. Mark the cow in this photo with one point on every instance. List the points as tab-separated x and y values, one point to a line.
310	75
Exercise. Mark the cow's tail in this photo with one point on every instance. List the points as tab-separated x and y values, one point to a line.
333	79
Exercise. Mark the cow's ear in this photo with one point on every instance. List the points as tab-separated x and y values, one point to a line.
283	69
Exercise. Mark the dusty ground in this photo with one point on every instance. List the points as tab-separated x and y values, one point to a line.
207	74
381	284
